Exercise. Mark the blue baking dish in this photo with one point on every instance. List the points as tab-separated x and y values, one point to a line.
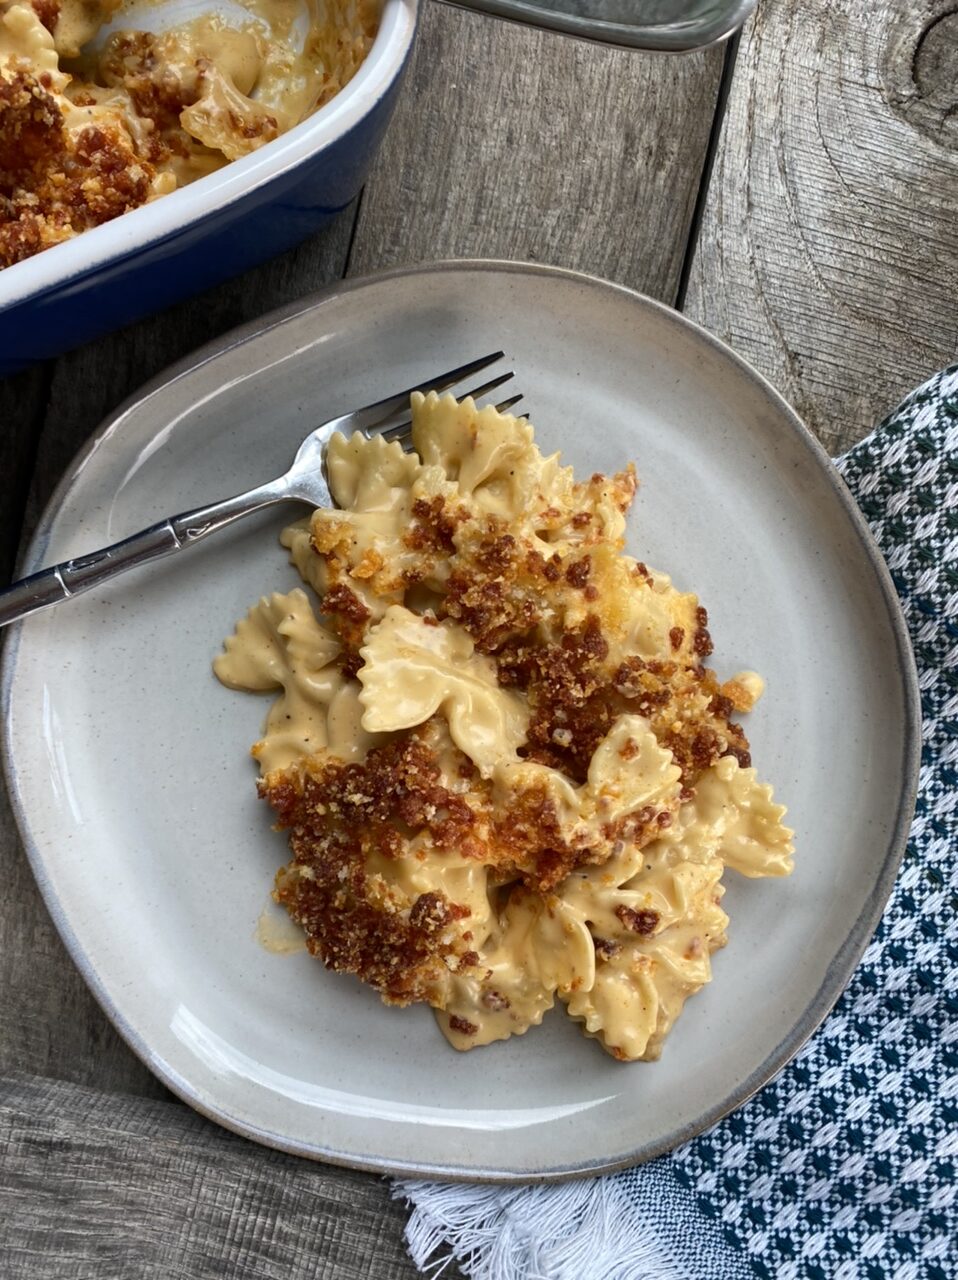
216	227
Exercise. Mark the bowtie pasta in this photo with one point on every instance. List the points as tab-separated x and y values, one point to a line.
506	773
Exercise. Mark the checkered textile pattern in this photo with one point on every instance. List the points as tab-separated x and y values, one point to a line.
845	1167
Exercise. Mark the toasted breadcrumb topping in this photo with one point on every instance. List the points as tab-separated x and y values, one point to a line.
544	778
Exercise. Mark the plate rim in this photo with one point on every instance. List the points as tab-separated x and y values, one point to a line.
856	940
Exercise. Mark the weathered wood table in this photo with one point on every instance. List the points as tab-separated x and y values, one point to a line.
824	248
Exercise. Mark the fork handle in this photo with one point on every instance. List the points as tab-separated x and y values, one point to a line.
64	581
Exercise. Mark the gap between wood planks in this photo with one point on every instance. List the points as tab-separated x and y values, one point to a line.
701	199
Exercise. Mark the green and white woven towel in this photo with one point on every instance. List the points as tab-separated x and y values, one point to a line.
846	1166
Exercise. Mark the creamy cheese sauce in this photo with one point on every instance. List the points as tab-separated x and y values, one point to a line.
276	933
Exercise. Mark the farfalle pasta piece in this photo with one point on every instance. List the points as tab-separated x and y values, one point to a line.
279	640
281	645
372	480
753	840
630	771
368	476
535	948
489	457
495	465
550	825
654	927
732	817
415	666
659	619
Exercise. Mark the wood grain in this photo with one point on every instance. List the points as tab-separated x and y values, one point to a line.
829	247
516	143
96	1186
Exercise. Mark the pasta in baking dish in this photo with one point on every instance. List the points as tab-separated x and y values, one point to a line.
505	771
98	117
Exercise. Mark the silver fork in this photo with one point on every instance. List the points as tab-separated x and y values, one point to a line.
305	481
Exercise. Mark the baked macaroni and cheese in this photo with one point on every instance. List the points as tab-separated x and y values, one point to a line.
91	127
506	772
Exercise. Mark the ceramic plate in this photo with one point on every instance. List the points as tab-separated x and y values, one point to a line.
129	769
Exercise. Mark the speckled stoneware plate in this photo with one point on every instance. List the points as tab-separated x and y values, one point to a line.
129	770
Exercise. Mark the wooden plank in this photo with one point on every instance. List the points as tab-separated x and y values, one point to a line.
49	1022
515	143
97	1186
829	248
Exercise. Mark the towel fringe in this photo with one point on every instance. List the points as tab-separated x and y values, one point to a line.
578	1231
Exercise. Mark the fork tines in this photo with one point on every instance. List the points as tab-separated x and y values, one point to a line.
390	417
